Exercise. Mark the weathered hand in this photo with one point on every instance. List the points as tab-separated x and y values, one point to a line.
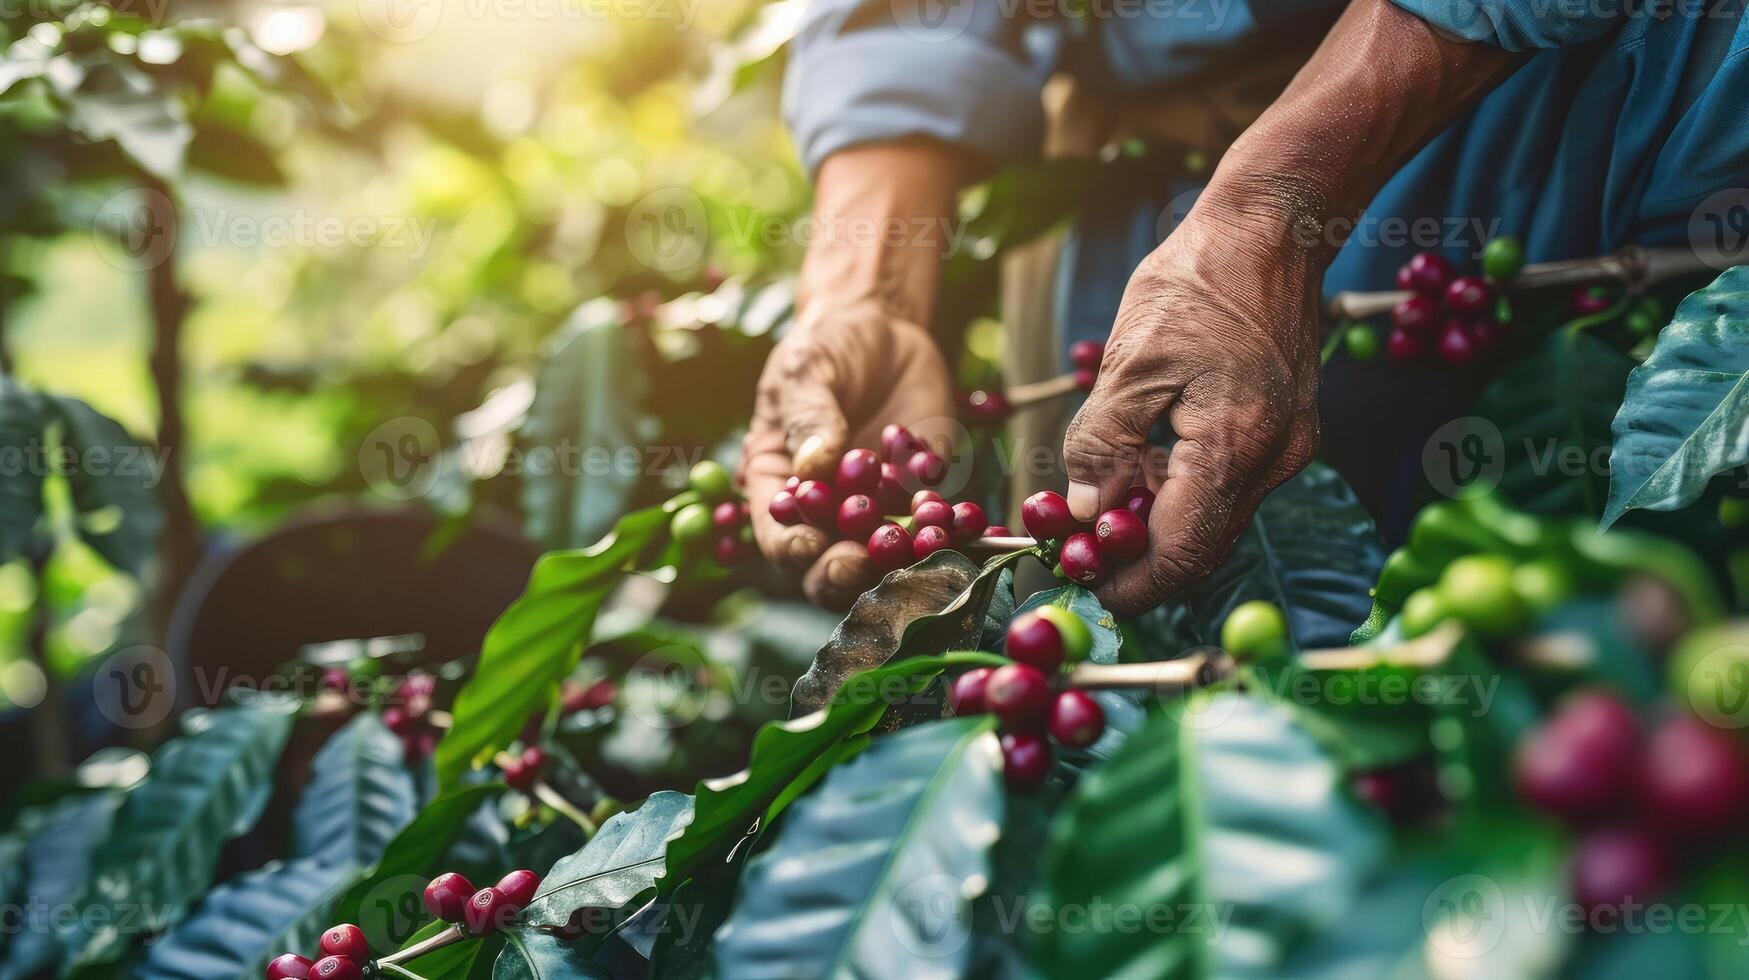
1217	332
830	385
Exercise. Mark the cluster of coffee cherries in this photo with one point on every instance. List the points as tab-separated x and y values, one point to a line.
1640	804
406	707
1026	696
1451	314
1086	553
523	772
721	517
344	954
990	407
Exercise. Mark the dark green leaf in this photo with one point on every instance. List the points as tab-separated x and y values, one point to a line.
114	486
205	788
243	923
108	98
359	799
619	864
588	401
23	419
537	642
530	955
416	849
60	841
1107	639
1220	807
457	961
1311	550
225	151
1685	416
873	873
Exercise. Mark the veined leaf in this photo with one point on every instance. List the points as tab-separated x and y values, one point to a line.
620	863
360	798
788	755
538	641
873	873
1221	823
414	852
1685	416
1106	637
242	924
462	960
59	842
23	417
205	788
531	955
115	493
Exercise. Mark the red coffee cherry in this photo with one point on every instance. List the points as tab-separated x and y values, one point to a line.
729	515
1035	641
1076	719
988	408
1086	354
1120	535
922	497
1020	696
335	679
1081	561
1026	761
997	531
933	513
968	523
1455	346
890	493
928	541
519	888
1139	501
890	548
731	550
289	966
487	912
859	472
926	468
784	509
1401	346
1469	296
897	444
1427	273
1417	316
1086	378
397	720
818	504
335	968
858	517
447	896
966	696
1046	515
1579	764
1695	779
1614	866
345	941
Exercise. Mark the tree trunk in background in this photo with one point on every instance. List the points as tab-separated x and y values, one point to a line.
180	545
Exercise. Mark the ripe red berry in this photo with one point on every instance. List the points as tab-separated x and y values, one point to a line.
1695	779
1026	760
1426	273
922	497
1086	354
1035	641
1140	502
1019	695
731	550
1379	788
890	493
858	517
597	695
1615	865
791	483
1591	299
335	679
534	757
1046	515
1578	765
784	509
335	968
933	513
1469	296
1086	378
346	941
289	966
986	407
1080	559
518	776
1484	334
1076	719
897	443
487	912
728	515
859	471
1455	346
966	696
818	504
997	531
397	720
1401	346
968	522
447	896
519	888
928	541
926	468
1120	535
1417	316
889	547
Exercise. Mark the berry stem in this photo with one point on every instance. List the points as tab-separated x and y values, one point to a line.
454	934
546	794
1164	676
1000	546
1425	651
1032	393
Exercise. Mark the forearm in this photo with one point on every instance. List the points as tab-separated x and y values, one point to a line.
1381	85
883	220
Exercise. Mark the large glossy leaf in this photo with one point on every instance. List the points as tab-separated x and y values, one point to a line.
873	873
936	605
361	796
619	864
1553	410
1685	416
22	420
789	756
114	488
205	788
58	844
243	923
1311	550
537	641
542	956
414	852
588	404
1220	807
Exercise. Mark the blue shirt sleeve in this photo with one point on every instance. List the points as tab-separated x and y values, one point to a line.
955	70
1520	25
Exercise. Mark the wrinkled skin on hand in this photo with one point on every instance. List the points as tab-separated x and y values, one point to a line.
1217	332
831	384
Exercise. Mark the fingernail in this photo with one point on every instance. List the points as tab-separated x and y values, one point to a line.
1083	501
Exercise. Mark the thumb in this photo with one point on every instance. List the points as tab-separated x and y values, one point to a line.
1102	449
814	428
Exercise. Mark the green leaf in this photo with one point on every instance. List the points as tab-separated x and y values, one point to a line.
416	849
114	487
529	955
456	961
227	151
1107	638
361	796
23	417
588	398
1553	410
788	756
1685	416
537	642
205	788
1311	550
60	841
619	864
242	924
108	98
1219	807
936	605
873	873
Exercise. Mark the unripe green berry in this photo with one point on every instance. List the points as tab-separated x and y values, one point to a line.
691	525
1255	630
1502	258
1077	638
711	481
